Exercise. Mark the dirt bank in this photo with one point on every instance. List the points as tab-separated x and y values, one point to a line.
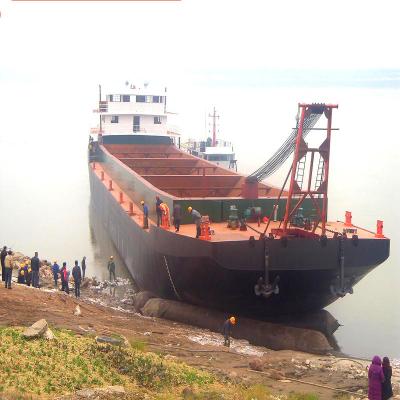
22	306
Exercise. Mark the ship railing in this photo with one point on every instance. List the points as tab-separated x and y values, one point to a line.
103	107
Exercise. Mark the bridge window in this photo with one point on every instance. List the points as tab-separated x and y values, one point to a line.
115	97
140	99
114	119
126	98
157	120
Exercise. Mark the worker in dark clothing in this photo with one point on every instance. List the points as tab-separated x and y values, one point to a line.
21	274
64	278
77	275
8	267
35	265
197	220
28	274
2	258
55	268
158	210
83	267
145	215
227	330
177	216
111	268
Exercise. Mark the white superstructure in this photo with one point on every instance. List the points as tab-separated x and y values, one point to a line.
215	150
133	110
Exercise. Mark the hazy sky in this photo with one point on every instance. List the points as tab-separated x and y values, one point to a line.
93	40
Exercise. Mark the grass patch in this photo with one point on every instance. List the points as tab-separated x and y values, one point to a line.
41	369
138	345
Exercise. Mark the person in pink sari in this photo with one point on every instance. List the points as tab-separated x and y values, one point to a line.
375	379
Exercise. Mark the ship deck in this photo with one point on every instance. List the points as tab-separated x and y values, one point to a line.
221	232
181	174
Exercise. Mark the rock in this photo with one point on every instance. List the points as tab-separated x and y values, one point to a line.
110	340
85	284
113	390
187	393
256	364
48	334
86	393
77	311
36	330
277	375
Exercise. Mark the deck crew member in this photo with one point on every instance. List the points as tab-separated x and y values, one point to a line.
227	330
197	220
158	210
55	268
3	255
177	216
83	264
77	275
111	268
8	267
145	215
35	265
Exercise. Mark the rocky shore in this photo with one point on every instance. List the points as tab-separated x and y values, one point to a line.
104	312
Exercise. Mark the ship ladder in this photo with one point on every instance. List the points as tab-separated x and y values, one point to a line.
300	172
170	279
320	174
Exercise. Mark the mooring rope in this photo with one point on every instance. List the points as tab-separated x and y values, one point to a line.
170	279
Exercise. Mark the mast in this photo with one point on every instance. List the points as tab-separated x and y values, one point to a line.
99	107
214	116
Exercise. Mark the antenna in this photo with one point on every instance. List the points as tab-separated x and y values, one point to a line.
214	117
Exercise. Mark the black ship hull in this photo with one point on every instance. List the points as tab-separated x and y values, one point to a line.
223	275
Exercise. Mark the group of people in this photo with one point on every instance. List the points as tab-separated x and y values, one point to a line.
30	269
176	215
380	379
78	275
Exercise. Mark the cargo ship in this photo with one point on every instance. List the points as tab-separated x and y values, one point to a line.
262	251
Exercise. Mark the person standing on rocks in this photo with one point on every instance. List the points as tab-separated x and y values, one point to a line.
35	265
3	255
76	274
375	379
56	270
8	267
227	330
28	273
21	274
387	391
83	267
111	268
64	278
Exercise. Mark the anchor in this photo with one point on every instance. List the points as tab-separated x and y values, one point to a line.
342	286
264	287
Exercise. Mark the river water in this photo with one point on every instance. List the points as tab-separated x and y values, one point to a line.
45	197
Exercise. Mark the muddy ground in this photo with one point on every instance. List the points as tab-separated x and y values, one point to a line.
101	313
